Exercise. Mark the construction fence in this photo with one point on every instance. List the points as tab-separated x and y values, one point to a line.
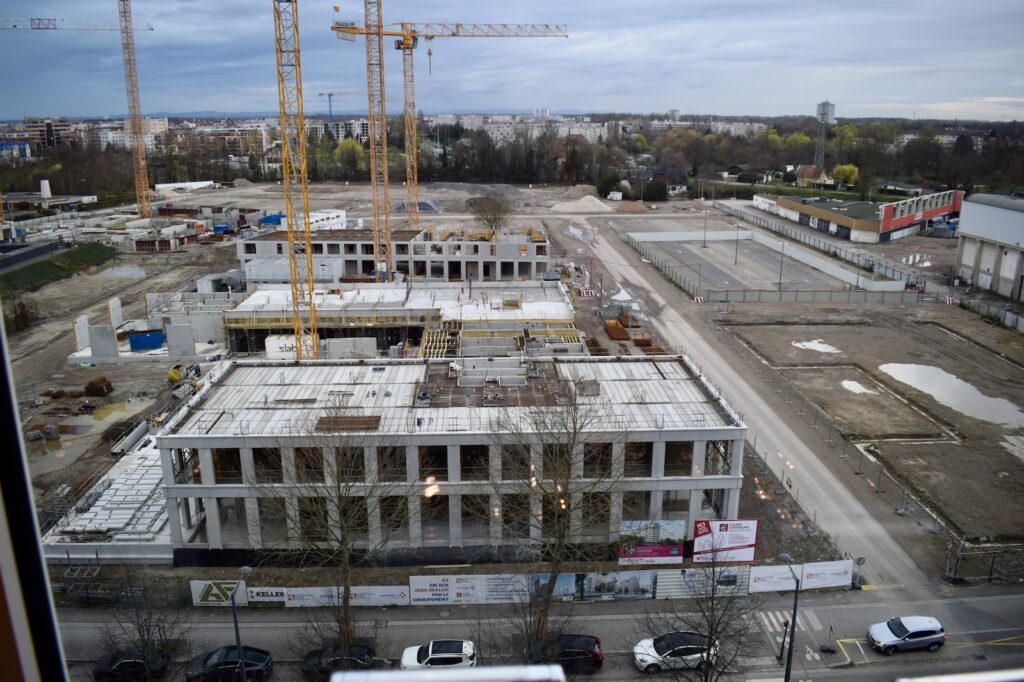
997	312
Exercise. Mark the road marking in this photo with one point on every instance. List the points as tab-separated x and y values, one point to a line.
894	586
1004	641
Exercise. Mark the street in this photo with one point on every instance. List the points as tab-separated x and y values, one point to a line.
980	622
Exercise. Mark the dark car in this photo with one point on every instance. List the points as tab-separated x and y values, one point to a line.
577	654
130	665
318	665
221	665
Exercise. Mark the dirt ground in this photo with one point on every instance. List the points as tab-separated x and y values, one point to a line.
963	465
39	353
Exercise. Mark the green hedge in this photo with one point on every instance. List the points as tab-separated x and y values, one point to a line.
57	267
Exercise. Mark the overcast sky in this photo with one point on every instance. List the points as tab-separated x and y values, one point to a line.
938	58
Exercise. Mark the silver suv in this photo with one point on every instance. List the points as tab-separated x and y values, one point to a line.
908	632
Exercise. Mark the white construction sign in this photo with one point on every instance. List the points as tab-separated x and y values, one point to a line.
812	576
724	541
467	589
218	592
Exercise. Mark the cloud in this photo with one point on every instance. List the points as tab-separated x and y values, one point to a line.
729	57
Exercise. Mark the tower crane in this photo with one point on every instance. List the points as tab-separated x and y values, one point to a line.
330	100
294	179
408	35
131	78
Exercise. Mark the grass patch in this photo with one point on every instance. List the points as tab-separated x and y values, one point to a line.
55	268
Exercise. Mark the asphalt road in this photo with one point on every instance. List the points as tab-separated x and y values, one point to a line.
838	510
985	627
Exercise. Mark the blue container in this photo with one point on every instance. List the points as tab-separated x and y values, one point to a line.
273	219
220	228
146	339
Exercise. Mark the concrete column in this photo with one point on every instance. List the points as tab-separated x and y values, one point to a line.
291	510
370	467
537	459
248	469
575	516
655	505
455	520
731	503
535	520
81	332
736	456
415	522
699	454
496	519
174	518
288	465
454	464
207	474
252	520
694	512
116	315
494	465
373	520
618	460
615	516
212	510
976	265
412	465
658	459
576	470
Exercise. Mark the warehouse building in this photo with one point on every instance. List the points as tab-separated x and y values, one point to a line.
447	254
991	236
247	459
864	221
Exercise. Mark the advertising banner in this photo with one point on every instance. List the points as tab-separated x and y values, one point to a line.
812	576
656	531
267	594
690	583
311	596
217	592
724	541
362	595
502	588
645	555
505	588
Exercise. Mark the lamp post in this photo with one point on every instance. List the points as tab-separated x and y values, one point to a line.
782	259
792	622
736	255
243	572
704	243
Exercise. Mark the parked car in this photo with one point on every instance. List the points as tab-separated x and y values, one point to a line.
675	651
221	665
577	654
318	665
905	633
440	653
130	665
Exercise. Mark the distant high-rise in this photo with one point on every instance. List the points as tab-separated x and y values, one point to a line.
541	113
826	116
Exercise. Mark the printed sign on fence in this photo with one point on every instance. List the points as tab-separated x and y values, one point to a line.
217	592
361	595
812	576
724	541
646	555
267	594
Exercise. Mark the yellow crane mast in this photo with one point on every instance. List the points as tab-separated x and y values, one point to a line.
131	81
294	176
408	35
380	198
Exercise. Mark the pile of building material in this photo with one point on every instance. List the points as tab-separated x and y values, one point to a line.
99	387
587	204
578	192
632	207
616	331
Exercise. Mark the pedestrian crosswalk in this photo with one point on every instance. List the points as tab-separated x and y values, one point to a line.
772	622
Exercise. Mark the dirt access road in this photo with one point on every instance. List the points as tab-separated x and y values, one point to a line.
838	510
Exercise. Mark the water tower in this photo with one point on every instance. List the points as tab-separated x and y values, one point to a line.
826	116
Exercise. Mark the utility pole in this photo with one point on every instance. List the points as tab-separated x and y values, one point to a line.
736	256
782	259
704	242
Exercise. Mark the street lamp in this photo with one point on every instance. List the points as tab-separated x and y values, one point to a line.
736	255
705	242
782	259
243	572
792	622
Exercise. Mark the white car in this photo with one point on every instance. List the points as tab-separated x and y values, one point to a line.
440	653
674	651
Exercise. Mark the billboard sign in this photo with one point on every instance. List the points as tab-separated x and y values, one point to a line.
818	575
646	555
267	594
724	541
218	592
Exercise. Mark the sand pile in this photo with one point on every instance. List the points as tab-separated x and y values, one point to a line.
587	204
241	182
632	207
578	192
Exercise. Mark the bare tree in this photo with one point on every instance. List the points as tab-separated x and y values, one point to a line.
350	501
720	610
555	488
147	620
492	212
